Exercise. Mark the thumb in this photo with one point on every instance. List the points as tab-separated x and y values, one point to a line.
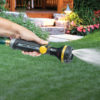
40	41
43	42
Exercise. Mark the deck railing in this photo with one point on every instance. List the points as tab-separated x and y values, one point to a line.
45	3
8	4
38	3
20	3
51	3
59	4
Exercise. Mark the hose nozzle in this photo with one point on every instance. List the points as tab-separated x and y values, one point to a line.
64	53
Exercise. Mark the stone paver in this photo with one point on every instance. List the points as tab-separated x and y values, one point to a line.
54	30
63	38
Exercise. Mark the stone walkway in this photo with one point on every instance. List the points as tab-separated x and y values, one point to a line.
63	38
54	30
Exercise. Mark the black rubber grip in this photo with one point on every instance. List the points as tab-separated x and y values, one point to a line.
25	45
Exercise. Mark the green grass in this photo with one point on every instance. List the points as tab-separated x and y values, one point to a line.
46	78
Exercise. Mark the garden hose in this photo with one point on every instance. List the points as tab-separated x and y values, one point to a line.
64	53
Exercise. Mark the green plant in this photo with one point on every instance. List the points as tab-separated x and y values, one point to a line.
2	1
86	11
74	17
2	5
92	4
26	23
87	15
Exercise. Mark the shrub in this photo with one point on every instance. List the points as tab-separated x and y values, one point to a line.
26	23
2	5
2	1
75	17
86	11
72	17
92	4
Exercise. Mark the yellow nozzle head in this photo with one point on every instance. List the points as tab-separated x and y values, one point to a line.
62	53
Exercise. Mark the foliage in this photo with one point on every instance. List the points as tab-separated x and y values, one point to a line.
86	14
2	1
26	23
2	8
2	5
85	11
89	17
97	14
92	4
73	16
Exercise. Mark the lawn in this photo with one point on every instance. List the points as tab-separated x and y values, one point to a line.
23	77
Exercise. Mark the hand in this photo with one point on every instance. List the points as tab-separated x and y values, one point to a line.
13	30
30	36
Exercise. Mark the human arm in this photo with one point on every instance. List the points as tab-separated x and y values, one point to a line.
13	30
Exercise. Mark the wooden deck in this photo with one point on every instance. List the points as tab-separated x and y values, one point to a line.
59	5
40	14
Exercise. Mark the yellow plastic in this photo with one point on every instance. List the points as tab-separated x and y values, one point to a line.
62	53
43	49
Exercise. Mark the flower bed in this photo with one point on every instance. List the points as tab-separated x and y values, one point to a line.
97	13
83	30
76	27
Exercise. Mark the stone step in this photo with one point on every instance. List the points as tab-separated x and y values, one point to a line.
54	30
47	24
40	14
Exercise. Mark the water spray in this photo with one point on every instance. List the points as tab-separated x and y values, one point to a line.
64	53
89	55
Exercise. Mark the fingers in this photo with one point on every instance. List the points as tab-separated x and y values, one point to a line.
30	36
31	53
40	41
